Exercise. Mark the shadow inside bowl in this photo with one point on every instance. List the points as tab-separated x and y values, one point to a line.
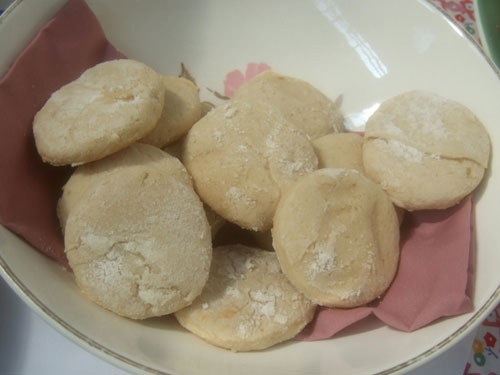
166	322
367	324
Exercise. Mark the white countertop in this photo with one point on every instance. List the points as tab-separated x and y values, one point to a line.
28	345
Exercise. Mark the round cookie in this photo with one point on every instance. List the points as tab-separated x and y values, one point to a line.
241	158
248	303
340	150
109	107
181	110
426	151
336	235
138	242
299	102
137	155
231	234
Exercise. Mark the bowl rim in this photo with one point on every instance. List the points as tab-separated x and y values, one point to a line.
123	362
119	360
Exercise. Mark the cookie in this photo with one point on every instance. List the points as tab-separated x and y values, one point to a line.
137	155
248	303
426	151
138	241
181	110
109	107
299	102
336	235
241	158
340	150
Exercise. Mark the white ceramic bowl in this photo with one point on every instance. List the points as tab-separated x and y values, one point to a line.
365	50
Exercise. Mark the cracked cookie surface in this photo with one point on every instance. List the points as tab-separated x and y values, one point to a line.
138	240
336	235
426	151
242	157
107	108
248	303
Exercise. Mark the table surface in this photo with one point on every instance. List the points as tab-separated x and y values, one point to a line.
28	345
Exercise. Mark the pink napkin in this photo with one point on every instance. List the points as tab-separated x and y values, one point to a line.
29	189
436	271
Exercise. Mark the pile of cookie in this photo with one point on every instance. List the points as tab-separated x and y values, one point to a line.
156	183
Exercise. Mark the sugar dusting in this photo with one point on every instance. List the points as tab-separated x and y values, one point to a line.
106	273
424	114
257	300
400	150
403	151
99	244
131	258
229	111
263	307
323	262
238	196
280	319
245	329
350	294
324	257
264	303
390	127
232	292
290	162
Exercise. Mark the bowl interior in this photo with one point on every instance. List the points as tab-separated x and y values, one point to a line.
364	51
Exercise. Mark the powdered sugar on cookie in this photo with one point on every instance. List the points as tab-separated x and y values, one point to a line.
255	311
